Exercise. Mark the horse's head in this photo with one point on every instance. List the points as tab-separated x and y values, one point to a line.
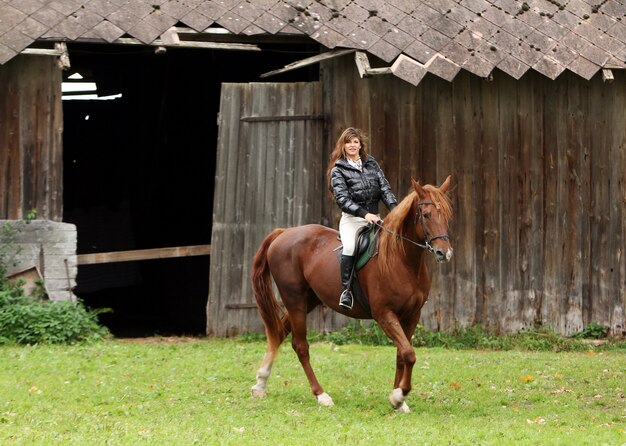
432	212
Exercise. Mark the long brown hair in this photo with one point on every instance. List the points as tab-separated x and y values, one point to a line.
340	145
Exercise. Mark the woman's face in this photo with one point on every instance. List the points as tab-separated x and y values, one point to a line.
352	148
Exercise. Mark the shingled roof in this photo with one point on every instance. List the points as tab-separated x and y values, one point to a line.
440	37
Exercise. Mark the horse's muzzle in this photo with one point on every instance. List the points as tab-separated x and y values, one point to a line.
443	256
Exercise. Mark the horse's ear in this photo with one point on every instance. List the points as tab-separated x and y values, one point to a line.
446	184
418	187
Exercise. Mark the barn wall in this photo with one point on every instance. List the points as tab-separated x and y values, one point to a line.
539	172
267	176
31	125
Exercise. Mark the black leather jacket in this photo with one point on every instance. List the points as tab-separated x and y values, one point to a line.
358	193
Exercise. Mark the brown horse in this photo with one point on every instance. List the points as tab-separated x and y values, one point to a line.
304	264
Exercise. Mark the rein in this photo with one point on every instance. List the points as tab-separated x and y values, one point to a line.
427	239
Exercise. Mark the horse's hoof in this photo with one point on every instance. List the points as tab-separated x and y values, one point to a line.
323	399
258	392
396	398
403	409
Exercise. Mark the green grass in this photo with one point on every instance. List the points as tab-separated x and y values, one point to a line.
179	392
475	337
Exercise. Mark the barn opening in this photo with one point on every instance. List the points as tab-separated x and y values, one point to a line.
139	172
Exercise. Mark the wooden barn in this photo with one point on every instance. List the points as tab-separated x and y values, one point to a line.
216	121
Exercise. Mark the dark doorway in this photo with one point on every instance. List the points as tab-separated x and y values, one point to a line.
139	173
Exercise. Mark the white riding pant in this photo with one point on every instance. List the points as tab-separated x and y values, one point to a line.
348	226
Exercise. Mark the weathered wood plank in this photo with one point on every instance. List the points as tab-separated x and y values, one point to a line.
4	144
30	139
262	178
443	275
552	235
464	224
606	207
492	230
510	176
144	254
223	211
532	199
617	208
429	137
574	171
14	123
406	114
309	61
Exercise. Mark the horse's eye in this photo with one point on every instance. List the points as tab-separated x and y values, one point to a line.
427	216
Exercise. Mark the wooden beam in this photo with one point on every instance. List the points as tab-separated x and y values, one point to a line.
607	76
143	254
191	44
613	66
42	52
240	306
282	118
364	68
250	306
213	31
362	63
309	61
60	51
63	62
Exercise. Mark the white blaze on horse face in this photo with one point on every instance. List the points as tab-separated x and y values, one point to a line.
449	254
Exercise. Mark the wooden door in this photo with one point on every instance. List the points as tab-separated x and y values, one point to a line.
269	174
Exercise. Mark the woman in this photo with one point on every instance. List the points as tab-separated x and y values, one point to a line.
357	183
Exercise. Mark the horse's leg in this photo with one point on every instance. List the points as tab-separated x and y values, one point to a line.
409	328
265	369
399	369
301	347
405	358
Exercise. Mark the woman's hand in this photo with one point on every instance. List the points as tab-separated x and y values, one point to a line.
372	218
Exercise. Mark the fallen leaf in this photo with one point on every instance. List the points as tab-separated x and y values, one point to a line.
456	385
527	378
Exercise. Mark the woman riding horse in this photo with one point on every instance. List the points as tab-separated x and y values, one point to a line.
357	183
302	262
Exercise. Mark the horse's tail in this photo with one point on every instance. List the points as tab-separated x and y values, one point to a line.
268	306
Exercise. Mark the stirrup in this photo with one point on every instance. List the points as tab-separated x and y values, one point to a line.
346	299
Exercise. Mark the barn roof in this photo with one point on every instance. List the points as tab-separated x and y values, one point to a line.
415	37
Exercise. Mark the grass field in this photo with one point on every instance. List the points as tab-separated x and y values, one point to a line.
197	391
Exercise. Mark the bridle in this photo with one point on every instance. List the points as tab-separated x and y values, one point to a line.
419	215
427	237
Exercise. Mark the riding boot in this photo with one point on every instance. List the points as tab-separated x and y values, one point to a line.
347	265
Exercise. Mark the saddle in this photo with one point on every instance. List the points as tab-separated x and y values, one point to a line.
366	245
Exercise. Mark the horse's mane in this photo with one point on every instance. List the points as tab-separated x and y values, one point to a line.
390	244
